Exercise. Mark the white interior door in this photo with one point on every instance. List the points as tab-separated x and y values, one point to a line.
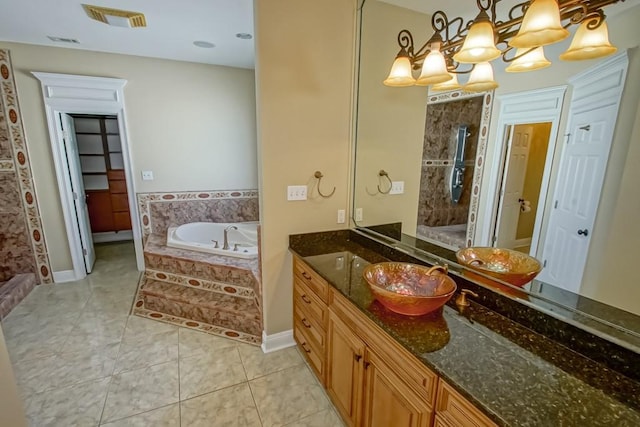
512	186
577	195
77	187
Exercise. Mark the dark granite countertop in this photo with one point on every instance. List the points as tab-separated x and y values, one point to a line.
514	375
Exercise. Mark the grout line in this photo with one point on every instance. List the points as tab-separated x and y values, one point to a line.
179	387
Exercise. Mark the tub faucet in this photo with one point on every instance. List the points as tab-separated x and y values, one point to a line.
225	245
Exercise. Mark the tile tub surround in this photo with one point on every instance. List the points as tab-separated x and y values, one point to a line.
159	211
514	374
211	293
15	290
22	242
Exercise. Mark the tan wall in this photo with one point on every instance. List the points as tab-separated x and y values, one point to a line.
193	125
533	180
388	117
11	409
304	71
601	280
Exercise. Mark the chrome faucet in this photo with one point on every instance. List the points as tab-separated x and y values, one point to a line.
225	245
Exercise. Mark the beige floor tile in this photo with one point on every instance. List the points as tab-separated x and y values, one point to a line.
34	346
229	407
206	373
77	405
326	418
95	331
141	327
257	364
168	416
35	375
141	351
194	343
287	396
142	390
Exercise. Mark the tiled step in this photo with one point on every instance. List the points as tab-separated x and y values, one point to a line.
15	290
222	314
237	272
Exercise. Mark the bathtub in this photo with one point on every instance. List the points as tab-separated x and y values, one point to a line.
202	237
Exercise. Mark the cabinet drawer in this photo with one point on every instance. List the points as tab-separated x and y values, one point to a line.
455	410
311	279
309	303
119	202
117	186
308	324
116	174
314	355
121	221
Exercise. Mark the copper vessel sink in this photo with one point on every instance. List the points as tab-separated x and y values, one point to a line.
510	266
409	289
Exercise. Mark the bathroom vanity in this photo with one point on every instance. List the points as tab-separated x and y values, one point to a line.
458	367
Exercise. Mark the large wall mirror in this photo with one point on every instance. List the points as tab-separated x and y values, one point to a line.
431	168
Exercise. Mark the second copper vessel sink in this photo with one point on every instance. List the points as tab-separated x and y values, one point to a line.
510	266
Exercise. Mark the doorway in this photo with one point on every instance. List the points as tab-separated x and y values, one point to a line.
520	193
66	95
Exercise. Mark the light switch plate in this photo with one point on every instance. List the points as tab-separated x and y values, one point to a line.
297	192
147	175
358	216
397	187
341	216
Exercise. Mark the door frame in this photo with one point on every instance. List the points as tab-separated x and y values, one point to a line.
535	106
74	94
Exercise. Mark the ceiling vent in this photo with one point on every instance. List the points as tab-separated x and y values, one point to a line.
116	17
63	40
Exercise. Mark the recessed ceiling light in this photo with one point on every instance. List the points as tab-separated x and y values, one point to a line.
244	36
63	40
204	44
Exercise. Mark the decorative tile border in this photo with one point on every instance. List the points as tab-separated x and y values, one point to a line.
7	166
209	285
145	200
9	99
481	150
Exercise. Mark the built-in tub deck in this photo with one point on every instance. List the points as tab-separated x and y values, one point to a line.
211	293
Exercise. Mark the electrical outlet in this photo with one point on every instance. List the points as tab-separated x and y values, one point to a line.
397	187
297	192
147	175
358	214
341	216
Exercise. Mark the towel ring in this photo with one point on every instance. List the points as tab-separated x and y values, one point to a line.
319	176
386	175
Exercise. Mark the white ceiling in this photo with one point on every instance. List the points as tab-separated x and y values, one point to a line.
172	27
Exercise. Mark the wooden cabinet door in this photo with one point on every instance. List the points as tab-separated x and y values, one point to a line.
388	401
345	355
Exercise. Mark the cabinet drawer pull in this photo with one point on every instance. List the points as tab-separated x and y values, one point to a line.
424	382
357	357
366	365
305	298
306	323
306	275
304	347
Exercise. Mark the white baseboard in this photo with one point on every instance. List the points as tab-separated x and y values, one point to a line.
277	341
112	236
64	276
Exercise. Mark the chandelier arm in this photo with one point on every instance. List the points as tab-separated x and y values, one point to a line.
405	40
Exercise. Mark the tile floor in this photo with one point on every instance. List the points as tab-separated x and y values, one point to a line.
81	360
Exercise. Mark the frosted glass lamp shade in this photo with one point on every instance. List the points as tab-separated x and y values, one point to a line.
480	43
540	26
434	69
400	74
533	60
448	85
589	44
481	78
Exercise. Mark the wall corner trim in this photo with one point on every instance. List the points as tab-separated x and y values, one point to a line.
279	341
64	276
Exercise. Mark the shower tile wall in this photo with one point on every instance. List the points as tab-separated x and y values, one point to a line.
16	253
435	207
22	244
159	211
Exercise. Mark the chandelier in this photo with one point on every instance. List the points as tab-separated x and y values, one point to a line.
457	47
